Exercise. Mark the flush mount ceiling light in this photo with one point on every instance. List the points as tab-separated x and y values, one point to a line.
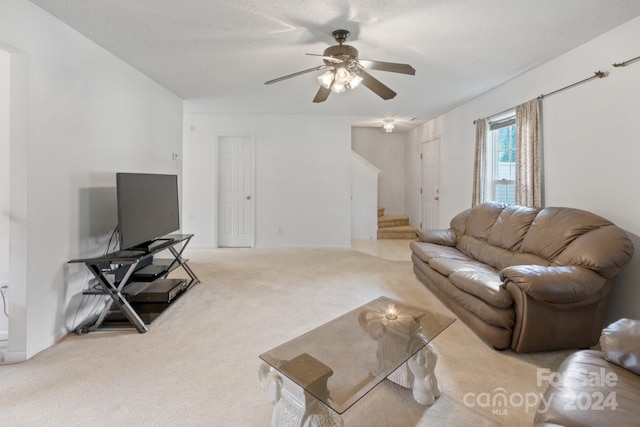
346	70
388	125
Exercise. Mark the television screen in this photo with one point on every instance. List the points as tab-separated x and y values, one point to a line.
148	207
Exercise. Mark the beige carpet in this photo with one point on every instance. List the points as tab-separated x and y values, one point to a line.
198	364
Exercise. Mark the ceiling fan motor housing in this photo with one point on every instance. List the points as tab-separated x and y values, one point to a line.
343	52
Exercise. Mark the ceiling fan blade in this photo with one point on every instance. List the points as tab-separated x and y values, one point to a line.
328	58
299	73
388	66
375	85
322	95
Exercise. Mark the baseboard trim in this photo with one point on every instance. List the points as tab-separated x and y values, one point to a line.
14	357
347	246
208	247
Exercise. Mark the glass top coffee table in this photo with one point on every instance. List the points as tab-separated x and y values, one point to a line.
336	364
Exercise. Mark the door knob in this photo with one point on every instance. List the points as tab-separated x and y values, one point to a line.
436	198
248	197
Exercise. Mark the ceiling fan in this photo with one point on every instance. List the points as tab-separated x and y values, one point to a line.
346	71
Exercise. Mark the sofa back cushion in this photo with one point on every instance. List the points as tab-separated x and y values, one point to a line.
482	251
482	218
604	250
555	228
502	236
459	222
495	256
511	226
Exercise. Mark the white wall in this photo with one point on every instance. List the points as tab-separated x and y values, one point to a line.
591	148
386	151
303	178
88	115
364	198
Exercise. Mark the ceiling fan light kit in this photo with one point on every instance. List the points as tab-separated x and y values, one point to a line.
347	71
339	79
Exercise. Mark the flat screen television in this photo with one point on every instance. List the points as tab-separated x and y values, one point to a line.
148	208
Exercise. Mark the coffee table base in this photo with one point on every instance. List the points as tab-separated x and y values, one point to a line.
418	374
294	407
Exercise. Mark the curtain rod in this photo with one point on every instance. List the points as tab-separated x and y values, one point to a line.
596	75
625	63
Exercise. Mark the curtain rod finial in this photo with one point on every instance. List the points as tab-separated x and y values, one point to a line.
600	74
625	63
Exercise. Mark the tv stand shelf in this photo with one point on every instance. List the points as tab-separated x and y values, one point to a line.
137	283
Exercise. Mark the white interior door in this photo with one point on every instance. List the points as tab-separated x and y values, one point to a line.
430	184
235	191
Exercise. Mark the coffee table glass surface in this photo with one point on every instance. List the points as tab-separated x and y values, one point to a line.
341	361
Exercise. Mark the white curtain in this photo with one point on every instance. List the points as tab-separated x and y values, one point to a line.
528	154
480	163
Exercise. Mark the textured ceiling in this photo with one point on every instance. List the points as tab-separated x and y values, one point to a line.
217	54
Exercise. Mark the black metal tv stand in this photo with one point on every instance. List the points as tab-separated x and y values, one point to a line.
137	283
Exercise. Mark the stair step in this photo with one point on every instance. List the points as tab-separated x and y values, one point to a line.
399	232
380	211
386	221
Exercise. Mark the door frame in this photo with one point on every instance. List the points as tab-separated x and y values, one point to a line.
216	184
422	190
17	350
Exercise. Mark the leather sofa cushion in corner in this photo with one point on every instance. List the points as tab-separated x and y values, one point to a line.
620	343
586	375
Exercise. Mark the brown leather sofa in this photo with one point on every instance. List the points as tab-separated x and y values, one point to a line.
597	387
526	278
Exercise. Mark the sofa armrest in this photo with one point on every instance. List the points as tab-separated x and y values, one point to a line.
553	284
446	237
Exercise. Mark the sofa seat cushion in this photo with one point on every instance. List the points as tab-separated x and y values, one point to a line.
503	318
485	285
426	251
446	266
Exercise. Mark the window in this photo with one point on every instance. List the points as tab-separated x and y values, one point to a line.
502	163
509	147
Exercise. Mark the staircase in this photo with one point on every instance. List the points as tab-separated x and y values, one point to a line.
394	226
